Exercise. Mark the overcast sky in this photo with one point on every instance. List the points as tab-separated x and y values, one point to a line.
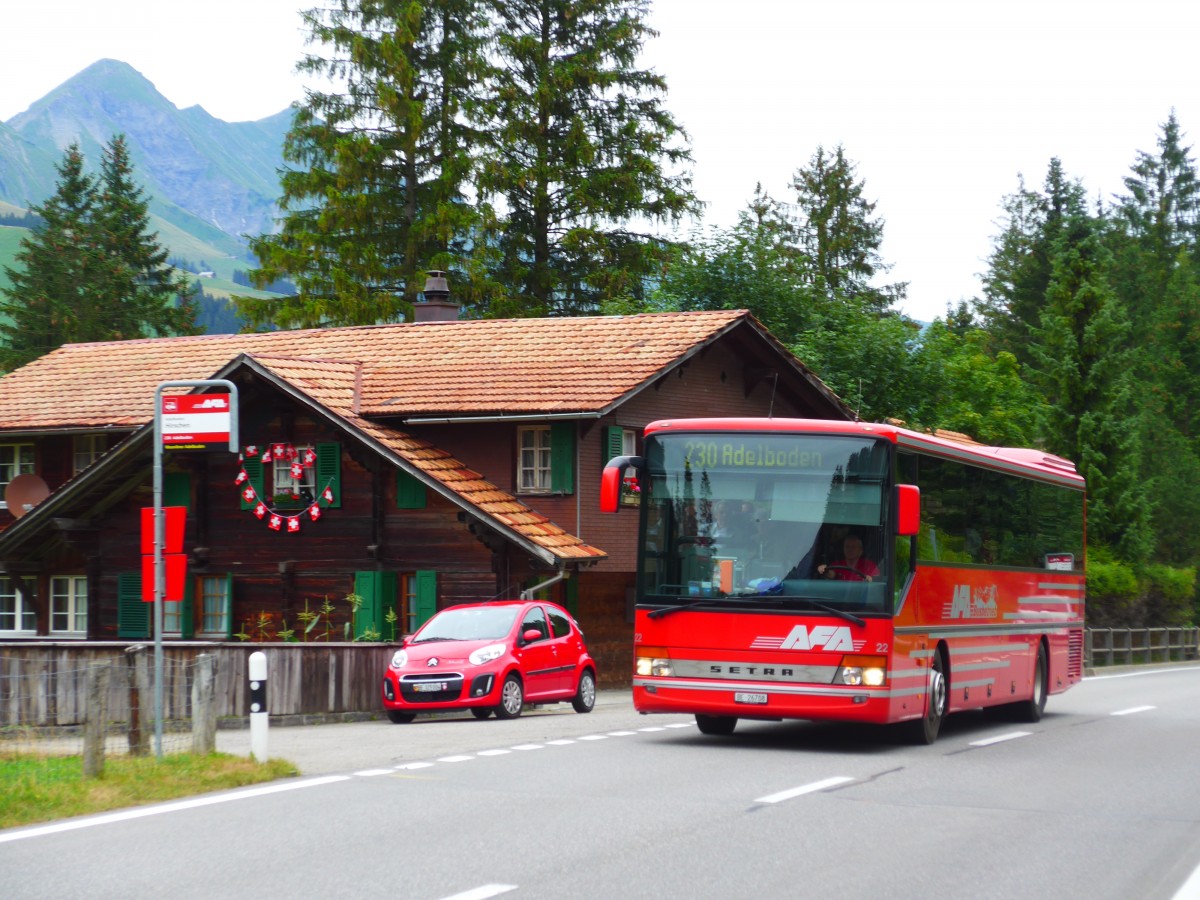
940	103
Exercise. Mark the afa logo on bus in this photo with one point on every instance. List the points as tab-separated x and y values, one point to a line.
819	637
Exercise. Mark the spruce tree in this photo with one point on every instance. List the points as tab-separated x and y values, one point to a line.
837	231
375	192
1082	359
584	157
90	272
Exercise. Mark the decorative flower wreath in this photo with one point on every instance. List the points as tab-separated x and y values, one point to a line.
276	520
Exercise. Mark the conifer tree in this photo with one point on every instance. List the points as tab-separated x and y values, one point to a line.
1082	359
584	152
90	272
836	231
375	193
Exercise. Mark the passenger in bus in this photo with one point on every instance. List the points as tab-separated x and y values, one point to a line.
853	566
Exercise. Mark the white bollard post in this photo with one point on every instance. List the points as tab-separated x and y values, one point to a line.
258	705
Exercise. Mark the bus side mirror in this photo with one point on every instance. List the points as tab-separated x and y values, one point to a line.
908	509
611	479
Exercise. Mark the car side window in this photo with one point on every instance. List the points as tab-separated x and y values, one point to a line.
560	624
535	619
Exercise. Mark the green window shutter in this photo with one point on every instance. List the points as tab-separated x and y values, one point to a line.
571	595
369	614
562	457
187	611
389	592
253	467
426	595
177	489
133	616
229	606
614	443
410	493
329	473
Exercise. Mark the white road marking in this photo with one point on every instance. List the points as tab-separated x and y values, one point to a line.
144	811
528	747
561	742
804	789
653	728
594	737
462	757
493	752
1000	738
681	725
621	733
414	765
1190	889
368	773
483	892
1131	710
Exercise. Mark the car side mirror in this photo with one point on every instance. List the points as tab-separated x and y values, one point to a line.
531	635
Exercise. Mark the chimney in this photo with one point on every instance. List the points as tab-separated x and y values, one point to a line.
437	305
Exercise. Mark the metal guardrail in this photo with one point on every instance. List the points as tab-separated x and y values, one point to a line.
1140	646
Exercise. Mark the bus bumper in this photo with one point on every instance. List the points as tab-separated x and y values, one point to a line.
762	701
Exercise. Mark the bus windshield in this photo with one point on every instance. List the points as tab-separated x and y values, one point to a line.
756	519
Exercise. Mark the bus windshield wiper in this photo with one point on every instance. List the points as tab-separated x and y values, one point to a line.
665	610
778	600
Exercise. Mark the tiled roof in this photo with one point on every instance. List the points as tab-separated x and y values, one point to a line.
333	386
514	366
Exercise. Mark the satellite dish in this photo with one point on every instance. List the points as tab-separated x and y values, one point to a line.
24	493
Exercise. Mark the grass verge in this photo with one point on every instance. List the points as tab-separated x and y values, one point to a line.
43	789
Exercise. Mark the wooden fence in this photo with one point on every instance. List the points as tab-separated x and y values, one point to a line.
45	683
1140	646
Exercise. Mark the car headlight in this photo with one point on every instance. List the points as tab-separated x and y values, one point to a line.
399	659
486	654
869	671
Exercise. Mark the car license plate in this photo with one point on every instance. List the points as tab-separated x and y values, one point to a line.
429	687
740	697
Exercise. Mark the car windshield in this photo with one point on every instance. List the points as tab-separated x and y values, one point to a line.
469	623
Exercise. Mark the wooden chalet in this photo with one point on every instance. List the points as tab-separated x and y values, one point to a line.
414	465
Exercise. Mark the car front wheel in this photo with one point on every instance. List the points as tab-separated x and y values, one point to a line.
585	696
512	698
400	718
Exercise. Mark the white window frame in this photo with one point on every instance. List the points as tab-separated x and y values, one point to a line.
69	600
628	442
534	468
283	483
213	591
15	459
16	609
86	449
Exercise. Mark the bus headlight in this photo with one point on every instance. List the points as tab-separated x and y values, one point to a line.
869	671
653	661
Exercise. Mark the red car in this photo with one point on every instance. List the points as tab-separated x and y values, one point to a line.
491	657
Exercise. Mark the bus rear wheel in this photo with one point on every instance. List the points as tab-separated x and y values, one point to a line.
722	725
1031	710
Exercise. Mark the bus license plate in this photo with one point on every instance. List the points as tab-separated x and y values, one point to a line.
740	697
423	687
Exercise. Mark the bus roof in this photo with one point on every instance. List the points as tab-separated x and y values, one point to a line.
1029	462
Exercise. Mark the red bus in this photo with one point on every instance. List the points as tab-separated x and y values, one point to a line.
811	569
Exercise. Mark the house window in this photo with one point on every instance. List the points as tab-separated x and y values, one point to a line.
68	606
17	615
288	489
214	605
15	459
533	463
408	604
87	449
172	625
628	442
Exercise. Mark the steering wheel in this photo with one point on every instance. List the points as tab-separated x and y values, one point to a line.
859	576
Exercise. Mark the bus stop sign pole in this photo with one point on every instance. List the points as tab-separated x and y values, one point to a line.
197	427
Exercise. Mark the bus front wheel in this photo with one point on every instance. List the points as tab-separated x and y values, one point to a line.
925	730
722	725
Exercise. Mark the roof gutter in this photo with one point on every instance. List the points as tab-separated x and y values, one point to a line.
518	417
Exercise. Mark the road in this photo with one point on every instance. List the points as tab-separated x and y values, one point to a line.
1100	799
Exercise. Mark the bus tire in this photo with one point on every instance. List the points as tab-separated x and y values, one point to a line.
721	725
925	729
1031	710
